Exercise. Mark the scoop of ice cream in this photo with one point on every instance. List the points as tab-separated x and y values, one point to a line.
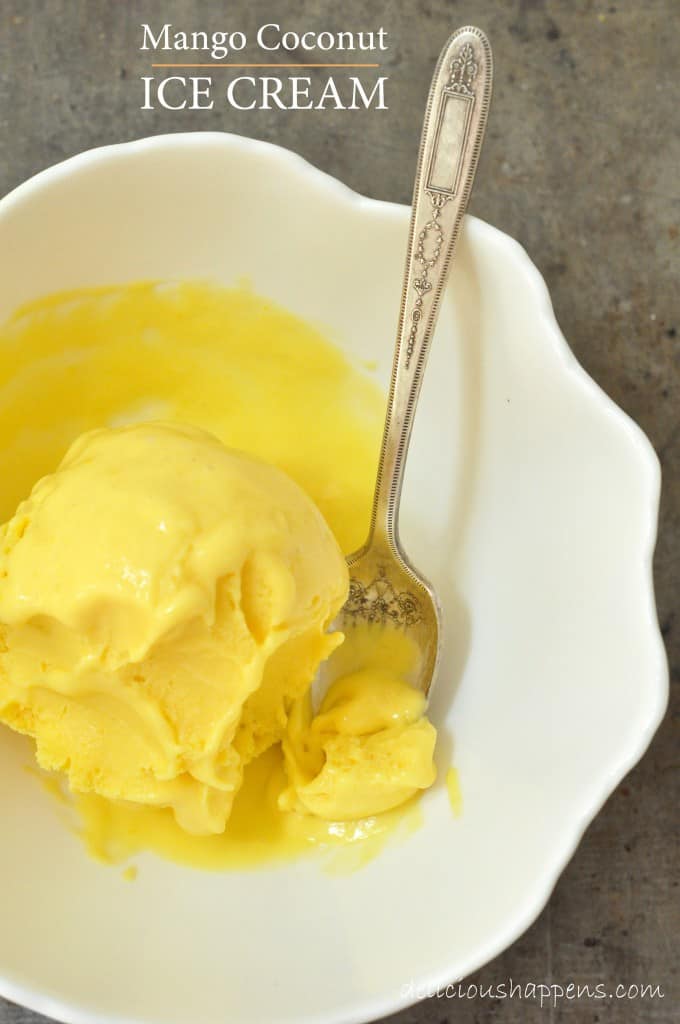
163	602
367	750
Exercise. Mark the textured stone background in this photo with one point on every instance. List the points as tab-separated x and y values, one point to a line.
581	165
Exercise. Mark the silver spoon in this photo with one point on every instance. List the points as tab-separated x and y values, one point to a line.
384	587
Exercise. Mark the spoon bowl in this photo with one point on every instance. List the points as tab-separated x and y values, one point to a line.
386	591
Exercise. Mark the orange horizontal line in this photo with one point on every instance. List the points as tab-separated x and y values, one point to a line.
265	65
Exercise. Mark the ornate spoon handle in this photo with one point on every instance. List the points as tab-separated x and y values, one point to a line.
453	130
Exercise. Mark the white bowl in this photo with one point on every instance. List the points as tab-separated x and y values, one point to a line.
531	503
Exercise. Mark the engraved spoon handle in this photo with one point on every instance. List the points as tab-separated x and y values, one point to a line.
453	129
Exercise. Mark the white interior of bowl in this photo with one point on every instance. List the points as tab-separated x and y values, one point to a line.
530	502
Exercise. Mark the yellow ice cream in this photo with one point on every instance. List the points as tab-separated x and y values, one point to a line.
163	600
368	749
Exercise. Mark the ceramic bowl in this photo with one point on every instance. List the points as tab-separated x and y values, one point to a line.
530	502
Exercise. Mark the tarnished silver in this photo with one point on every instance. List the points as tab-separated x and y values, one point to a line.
384	586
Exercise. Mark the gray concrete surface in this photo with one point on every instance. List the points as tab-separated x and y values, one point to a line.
581	165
